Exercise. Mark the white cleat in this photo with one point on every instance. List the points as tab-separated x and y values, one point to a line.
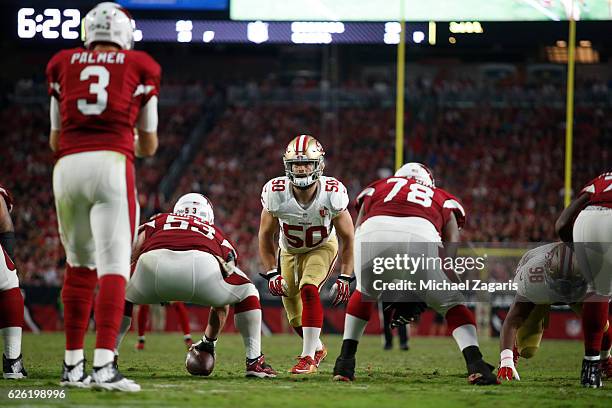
109	378
74	376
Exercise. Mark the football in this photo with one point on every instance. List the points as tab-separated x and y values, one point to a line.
199	362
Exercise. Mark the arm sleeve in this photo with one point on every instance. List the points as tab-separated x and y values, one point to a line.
339	200
54	114
452	205
147	118
52	72
150	79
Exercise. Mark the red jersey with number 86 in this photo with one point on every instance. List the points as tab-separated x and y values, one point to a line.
184	233
100	95
405	197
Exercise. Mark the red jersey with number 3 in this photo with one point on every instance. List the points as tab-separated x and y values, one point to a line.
405	197
184	233
599	190
100	95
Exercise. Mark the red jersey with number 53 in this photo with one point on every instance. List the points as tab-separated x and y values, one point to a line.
100	95
600	190
405	197
184	233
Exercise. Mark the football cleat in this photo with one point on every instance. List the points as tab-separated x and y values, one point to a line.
140	345
13	368
320	355
590	376
109	378
305	365
481	373
259	368
74	375
344	369
606	368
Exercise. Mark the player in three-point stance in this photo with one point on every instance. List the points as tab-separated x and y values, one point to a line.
11	300
407	208
586	225
182	256
546	275
99	94
307	210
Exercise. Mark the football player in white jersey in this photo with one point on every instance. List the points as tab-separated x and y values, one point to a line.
308	210
546	275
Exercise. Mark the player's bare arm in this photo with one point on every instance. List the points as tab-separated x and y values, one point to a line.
7	231
565	222
268	225
343	223
518	313
451	236
216	321
137	247
55	120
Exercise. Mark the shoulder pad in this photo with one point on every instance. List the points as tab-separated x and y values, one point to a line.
273	194
336	193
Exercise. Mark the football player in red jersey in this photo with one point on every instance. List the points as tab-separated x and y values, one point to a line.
182	256
99	94
586	224
408	208
11	300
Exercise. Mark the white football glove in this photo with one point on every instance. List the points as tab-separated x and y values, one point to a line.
507	370
341	290
276	283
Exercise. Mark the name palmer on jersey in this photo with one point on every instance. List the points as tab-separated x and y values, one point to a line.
304	228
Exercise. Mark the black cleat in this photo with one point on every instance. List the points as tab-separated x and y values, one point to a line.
590	376
344	369
13	368
481	373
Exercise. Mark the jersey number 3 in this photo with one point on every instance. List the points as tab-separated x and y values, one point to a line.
97	88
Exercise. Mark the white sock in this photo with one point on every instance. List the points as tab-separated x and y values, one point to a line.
319	345
591	358
353	327
12	341
311	340
71	357
187	337
102	357
126	322
141	338
604	355
249	325
465	336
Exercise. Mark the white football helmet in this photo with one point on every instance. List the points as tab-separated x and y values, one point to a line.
196	205
304	149
109	22
418	171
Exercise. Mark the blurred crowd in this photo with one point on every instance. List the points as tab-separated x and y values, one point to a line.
499	150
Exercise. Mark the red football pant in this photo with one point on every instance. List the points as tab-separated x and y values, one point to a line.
11	308
594	318
183	317
143	319
77	296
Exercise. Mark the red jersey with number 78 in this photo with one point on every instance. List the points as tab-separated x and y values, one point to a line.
599	190
406	197
184	233
100	95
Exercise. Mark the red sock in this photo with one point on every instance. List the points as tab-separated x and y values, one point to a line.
312	311
143	319
77	296
11	305
594	318
109	310
606	341
183	317
458	316
358	308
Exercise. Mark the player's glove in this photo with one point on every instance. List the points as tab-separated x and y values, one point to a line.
276	283
404	313
341	290
507	370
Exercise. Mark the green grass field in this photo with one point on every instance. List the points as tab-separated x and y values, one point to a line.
431	374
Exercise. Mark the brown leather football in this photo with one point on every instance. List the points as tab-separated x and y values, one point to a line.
199	362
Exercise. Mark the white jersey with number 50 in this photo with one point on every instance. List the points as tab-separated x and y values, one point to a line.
303	228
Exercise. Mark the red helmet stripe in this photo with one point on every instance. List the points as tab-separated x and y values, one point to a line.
304	142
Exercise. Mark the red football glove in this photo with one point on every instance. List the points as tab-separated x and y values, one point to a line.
276	283
506	370
341	291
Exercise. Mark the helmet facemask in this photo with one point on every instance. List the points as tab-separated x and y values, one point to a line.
563	276
303	180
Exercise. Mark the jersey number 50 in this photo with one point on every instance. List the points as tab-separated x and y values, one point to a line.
97	88
298	242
